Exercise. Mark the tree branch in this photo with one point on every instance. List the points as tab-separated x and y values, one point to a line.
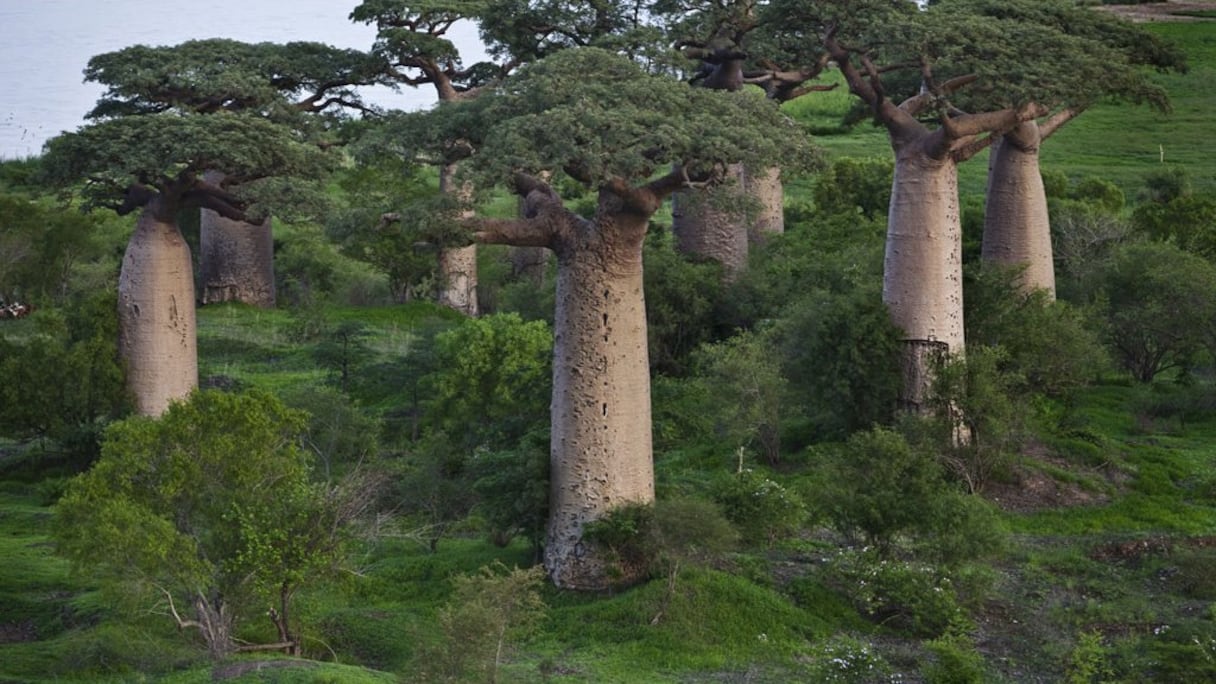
1057	120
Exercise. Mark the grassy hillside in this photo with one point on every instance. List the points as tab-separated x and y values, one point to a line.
1119	142
1106	519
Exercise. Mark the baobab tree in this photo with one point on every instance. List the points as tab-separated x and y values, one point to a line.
910	66
303	85
591	116
721	38
413	38
155	164
1017	231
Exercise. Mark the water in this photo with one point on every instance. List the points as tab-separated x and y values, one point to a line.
45	44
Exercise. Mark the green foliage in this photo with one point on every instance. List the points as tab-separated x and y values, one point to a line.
491	384
956	660
512	487
210	506
597	112
338	432
1188	221
878	487
1088	661
855	185
175	149
977	416
64	381
763	509
841	361
41	248
488	611
1158	307
682	302
914	598
746	391
342	351
1050	347
627	536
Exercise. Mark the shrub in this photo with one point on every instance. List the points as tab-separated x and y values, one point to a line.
955	659
848	660
486	613
762	509
913	598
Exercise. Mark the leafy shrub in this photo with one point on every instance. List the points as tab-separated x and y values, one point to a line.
842	356
762	509
848	660
877	487
913	598
955	659
487	612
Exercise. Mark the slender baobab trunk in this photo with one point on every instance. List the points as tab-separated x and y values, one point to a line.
764	185
1017	231
922	269
237	260
157	334
457	265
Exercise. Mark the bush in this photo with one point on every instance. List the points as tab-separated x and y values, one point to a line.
877	487
955	659
913	598
848	660
842	361
762	509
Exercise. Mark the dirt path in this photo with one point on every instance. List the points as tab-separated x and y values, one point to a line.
1161	11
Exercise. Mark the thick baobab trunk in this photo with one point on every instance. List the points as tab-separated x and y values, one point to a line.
764	186
1017	231
922	269
157	334
457	265
601	441
708	225
237	260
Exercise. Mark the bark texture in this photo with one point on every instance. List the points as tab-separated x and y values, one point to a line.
237	260
157	333
922	266
600	448
601	441
458	279
457	265
1017	231
709	227
764	185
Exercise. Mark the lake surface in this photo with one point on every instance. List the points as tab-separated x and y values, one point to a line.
45	44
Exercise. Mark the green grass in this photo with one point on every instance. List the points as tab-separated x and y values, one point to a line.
1120	142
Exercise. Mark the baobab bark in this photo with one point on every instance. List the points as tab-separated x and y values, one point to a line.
922	265
764	186
710	227
236	260
1017	228
457	265
601	445
705	224
156	319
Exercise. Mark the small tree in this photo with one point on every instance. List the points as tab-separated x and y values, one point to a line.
488	610
211	509
1158	307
